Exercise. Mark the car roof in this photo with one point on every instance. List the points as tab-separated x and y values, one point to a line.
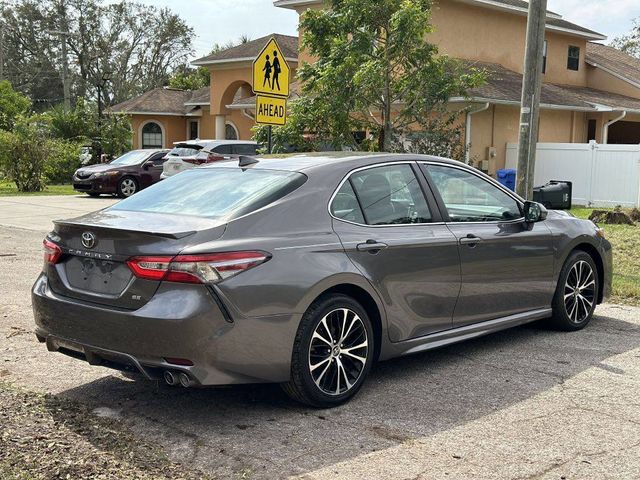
306	162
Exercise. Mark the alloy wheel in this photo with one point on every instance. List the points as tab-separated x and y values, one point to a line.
128	187
579	291
338	351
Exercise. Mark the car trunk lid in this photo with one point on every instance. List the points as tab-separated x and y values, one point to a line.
97	246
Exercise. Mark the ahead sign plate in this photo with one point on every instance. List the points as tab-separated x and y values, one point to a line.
271	110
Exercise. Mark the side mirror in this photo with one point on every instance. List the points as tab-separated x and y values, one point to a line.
147	165
534	212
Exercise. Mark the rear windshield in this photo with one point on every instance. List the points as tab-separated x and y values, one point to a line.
214	192
184	151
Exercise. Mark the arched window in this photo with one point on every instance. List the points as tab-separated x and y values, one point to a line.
230	132
152	135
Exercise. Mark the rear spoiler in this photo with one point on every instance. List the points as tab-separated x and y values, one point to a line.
172	235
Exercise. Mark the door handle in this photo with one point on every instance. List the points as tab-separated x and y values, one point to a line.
371	246
471	240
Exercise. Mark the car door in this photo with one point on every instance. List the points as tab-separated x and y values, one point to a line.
152	169
506	263
391	229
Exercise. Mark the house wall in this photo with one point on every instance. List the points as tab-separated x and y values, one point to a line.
174	128
499	37
601	80
499	125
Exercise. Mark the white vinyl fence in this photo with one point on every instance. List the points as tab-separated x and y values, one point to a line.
602	175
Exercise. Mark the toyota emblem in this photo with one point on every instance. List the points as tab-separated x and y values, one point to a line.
88	240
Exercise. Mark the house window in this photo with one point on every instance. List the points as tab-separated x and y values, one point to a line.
194	126
573	60
230	132
544	56
152	135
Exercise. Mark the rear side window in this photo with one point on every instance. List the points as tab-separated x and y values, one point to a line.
248	149
223	149
389	195
214	192
345	205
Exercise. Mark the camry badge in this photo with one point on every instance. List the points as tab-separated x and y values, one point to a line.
88	240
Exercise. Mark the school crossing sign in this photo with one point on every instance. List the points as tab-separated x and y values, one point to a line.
271	75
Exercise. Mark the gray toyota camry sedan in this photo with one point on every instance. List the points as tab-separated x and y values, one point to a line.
306	270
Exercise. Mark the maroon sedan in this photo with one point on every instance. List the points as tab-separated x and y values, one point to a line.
123	176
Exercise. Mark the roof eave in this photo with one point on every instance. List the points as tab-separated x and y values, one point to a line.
292	4
202	62
577	33
135	112
546	106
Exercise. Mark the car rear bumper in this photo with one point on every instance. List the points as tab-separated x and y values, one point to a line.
179	322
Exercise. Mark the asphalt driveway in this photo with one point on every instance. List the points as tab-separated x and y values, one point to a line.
525	403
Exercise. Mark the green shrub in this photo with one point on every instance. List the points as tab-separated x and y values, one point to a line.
23	154
62	161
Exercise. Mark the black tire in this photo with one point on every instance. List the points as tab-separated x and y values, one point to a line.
303	387
127	186
565	316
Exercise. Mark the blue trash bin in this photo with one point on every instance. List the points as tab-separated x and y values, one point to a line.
507	177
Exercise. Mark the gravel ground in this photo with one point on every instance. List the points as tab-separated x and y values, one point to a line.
524	403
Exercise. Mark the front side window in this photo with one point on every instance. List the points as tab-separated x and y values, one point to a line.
390	195
469	198
573	60
151	135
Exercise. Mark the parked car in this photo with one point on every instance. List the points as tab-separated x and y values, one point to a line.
193	153
308	269
123	176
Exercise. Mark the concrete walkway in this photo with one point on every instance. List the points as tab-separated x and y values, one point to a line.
37	212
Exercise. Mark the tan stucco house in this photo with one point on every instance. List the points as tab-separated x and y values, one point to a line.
590	91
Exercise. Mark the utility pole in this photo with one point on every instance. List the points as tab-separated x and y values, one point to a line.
530	105
65	66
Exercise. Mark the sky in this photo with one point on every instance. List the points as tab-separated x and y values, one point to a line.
218	21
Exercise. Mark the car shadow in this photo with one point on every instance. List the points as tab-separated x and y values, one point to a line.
256	428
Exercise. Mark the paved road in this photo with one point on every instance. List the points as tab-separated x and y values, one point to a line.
37	212
525	403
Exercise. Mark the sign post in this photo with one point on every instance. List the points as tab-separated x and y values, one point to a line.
271	75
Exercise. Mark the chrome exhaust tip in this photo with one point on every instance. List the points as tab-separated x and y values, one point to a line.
185	381
170	378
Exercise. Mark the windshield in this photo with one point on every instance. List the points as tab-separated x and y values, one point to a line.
213	192
133	157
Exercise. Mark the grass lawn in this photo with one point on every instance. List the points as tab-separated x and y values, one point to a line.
626	259
9	189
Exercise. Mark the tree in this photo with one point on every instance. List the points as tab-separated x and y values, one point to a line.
629	43
12	105
376	71
188	78
126	47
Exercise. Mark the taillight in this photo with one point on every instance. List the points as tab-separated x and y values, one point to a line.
52	252
208	268
213	157
194	161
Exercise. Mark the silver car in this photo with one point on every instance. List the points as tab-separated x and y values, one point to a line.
193	153
306	270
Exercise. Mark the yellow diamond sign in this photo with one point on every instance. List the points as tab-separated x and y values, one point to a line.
271	71
271	110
